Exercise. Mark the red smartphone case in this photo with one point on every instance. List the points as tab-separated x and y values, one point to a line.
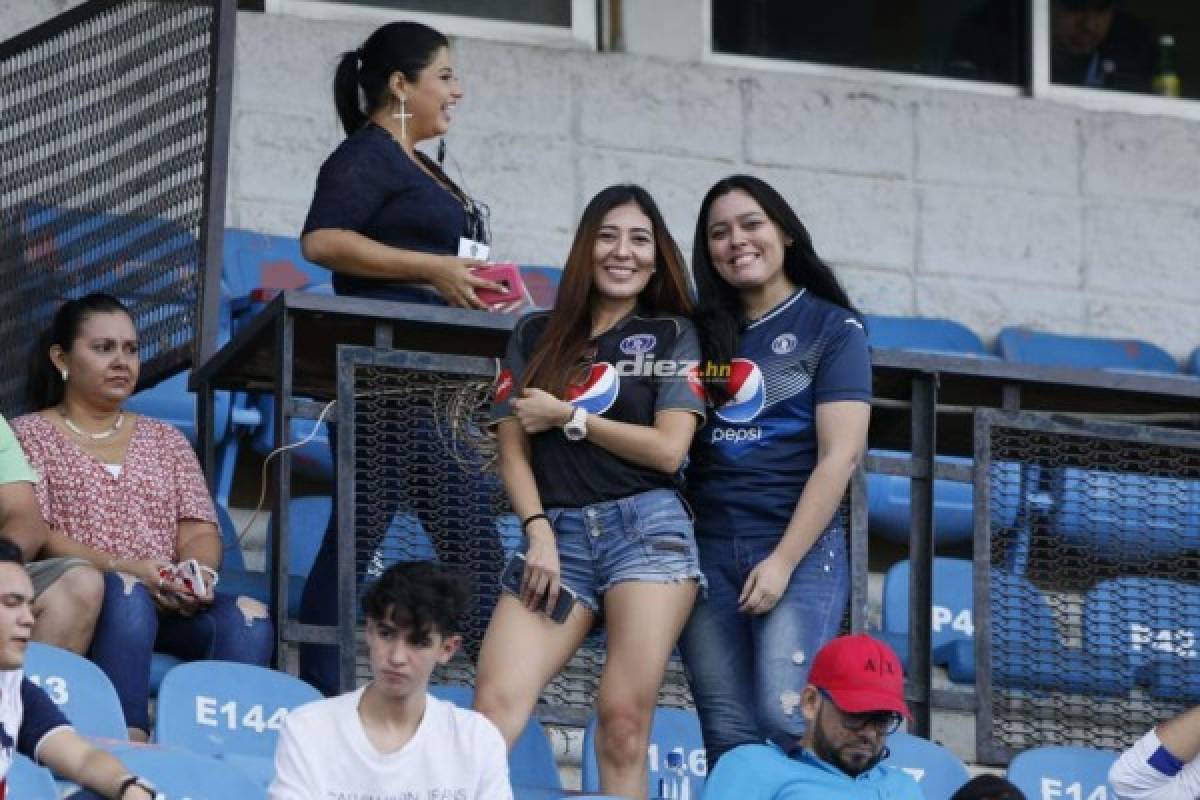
508	275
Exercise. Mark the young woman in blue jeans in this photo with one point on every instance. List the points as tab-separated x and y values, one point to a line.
594	410
769	469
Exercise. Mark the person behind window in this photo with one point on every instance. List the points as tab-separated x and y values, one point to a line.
853	701
392	738
1162	765
30	723
389	222
1093	43
126	493
787	367
594	412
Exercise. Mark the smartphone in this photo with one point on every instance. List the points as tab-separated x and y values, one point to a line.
507	275
511	580
191	575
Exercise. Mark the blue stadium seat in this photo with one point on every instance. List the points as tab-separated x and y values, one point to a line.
1063	772
79	688
1085	352
160	665
672	729
889	497
231	548
1124	517
27	781
1028	653
1153	624
260	261
936	770
1194	362
229	711
313	459
531	762
953	615
309	519
542	283
184	774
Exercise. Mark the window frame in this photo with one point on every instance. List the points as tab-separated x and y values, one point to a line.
583	33
1040	87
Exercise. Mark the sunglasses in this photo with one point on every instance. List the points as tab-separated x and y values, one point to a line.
886	722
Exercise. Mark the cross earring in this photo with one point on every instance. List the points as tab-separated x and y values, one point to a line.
404	117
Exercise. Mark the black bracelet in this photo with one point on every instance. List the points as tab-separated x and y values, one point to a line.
134	780
525	522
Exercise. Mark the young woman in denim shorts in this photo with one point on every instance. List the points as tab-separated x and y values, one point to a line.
769	469
594	412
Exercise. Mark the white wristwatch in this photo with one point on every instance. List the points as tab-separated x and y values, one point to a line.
576	427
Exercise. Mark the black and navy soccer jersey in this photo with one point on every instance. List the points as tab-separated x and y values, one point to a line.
751	460
642	365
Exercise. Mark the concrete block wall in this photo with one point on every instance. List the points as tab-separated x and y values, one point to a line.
991	210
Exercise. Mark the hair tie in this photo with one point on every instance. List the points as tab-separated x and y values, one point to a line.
358	58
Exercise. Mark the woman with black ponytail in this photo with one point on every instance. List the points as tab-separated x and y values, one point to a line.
391	225
385	218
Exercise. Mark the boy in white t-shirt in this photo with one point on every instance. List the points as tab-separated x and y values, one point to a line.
1162	765
391	738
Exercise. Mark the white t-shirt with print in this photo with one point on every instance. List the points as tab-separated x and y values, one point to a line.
1148	771
324	754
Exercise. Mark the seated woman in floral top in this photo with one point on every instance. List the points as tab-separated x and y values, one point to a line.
126	493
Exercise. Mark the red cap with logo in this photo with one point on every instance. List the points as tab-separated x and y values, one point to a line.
861	674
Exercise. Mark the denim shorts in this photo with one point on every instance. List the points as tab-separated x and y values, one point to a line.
644	537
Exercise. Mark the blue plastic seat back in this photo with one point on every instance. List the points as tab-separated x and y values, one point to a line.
313	459
27	781
1154	625
1028	652
219	707
185	774
1125	517
923	334
79	688
673	729
936	770
1063	772
1088	352
542	283
1194	362
531	762
262	261
231	548
953	613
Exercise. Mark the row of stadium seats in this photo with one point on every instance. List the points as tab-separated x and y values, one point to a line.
1137	631
233	713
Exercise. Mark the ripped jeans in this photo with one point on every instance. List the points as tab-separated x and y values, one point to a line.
747	671
131	627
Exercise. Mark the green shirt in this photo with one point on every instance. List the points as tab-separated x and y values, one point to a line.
14	467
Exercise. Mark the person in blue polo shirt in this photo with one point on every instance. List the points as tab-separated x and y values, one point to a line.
788	372
854	699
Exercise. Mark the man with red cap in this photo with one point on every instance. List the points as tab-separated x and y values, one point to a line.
854	699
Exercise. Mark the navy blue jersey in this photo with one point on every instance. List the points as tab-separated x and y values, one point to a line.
751	460
642	365
369	185
27	717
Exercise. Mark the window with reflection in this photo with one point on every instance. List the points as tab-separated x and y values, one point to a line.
1148	46
984	40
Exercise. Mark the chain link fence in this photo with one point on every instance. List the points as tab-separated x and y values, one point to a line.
106	157
1093	594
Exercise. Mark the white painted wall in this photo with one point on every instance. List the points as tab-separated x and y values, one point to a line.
990	210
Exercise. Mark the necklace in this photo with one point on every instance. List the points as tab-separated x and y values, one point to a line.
78	431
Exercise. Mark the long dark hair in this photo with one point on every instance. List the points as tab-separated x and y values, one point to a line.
567	335
404	47
45	387
719	315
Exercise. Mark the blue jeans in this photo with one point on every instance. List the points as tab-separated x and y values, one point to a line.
131	628
644	537
747	671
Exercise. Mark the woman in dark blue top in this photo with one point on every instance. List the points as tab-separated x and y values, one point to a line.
385	218
789	423
389	223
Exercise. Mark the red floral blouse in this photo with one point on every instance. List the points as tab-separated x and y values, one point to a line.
134	515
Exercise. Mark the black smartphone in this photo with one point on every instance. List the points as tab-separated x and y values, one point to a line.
511	580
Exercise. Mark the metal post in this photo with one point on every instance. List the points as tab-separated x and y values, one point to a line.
921	538
284	355
858	551
346	557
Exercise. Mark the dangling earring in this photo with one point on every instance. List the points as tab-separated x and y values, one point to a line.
64	376
404	117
